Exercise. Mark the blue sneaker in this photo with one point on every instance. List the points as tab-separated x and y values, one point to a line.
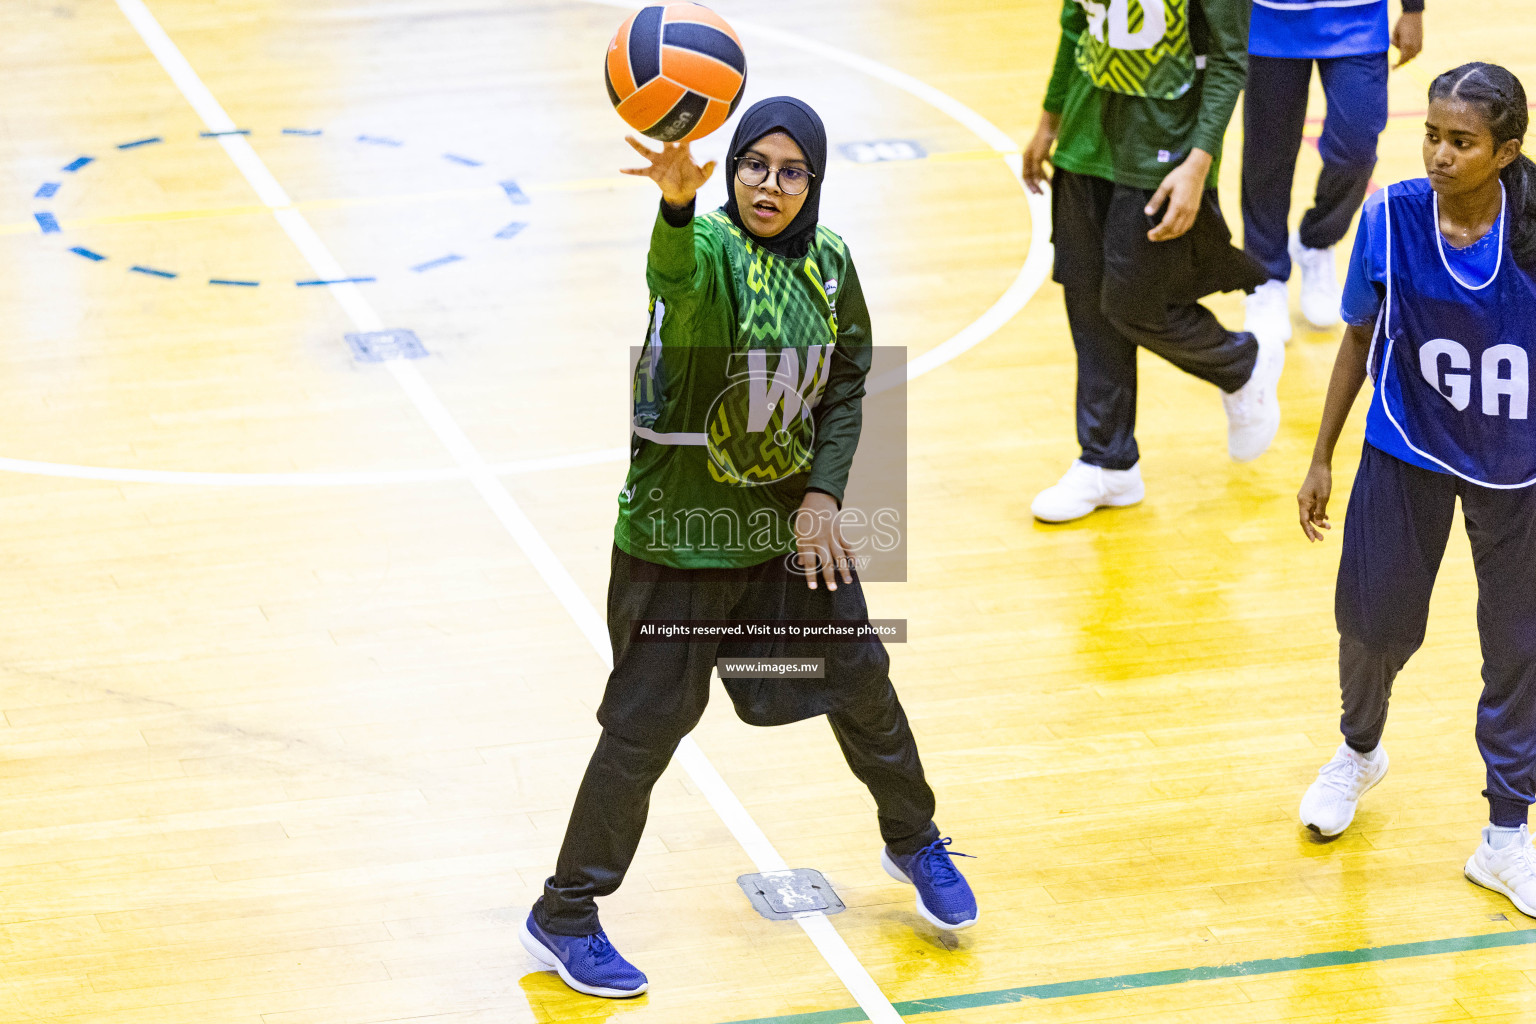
587	963
944	897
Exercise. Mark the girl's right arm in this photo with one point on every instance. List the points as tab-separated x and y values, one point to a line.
1038	152
1364	294
673	269
1349	371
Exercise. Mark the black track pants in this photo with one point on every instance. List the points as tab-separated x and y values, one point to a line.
1123	291
657	693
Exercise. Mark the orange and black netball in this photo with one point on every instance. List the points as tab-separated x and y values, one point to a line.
675	72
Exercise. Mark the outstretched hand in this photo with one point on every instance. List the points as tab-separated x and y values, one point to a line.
672	169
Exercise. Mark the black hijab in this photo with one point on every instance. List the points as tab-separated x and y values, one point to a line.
797	120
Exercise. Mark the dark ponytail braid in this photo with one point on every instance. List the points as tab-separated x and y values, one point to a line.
1501	97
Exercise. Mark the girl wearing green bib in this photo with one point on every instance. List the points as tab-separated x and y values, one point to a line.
1138	103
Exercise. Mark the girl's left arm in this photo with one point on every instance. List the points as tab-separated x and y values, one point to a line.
840	416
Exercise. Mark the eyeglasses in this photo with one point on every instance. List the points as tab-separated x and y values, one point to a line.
792	181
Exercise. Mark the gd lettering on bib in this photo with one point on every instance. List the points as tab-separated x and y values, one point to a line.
1138	47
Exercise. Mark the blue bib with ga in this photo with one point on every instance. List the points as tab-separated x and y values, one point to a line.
1453	357
1318	28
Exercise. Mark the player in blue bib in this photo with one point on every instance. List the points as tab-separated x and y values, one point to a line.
1347	40
1441	305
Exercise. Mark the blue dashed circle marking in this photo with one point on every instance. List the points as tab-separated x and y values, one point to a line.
48	222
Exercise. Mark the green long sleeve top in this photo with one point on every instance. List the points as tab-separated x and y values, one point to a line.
1137	139
747	393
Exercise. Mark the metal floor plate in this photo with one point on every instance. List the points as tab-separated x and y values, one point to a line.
382	346
784	895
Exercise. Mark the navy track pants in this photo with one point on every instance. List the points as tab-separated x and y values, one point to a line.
1395	533
1274	118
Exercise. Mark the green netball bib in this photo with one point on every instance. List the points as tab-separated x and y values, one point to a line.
1138	47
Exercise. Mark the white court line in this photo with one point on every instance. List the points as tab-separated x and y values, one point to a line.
484	476
363	478
725	802
1037	264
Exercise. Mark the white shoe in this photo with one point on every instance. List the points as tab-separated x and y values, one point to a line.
1084	488
1510	871
1321	295
1267	312
1253	411
1329	805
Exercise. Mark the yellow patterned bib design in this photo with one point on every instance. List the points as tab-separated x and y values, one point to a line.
1138	47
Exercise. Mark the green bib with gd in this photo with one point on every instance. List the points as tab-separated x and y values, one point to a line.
1138	47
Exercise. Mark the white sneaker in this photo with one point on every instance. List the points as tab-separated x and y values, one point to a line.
1084	488
1321	295
1253	411
1267	312
1510	871
1329	805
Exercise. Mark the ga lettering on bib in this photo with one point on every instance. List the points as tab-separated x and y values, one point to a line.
1455	376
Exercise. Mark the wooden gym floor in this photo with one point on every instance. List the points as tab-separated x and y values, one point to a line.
297	693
